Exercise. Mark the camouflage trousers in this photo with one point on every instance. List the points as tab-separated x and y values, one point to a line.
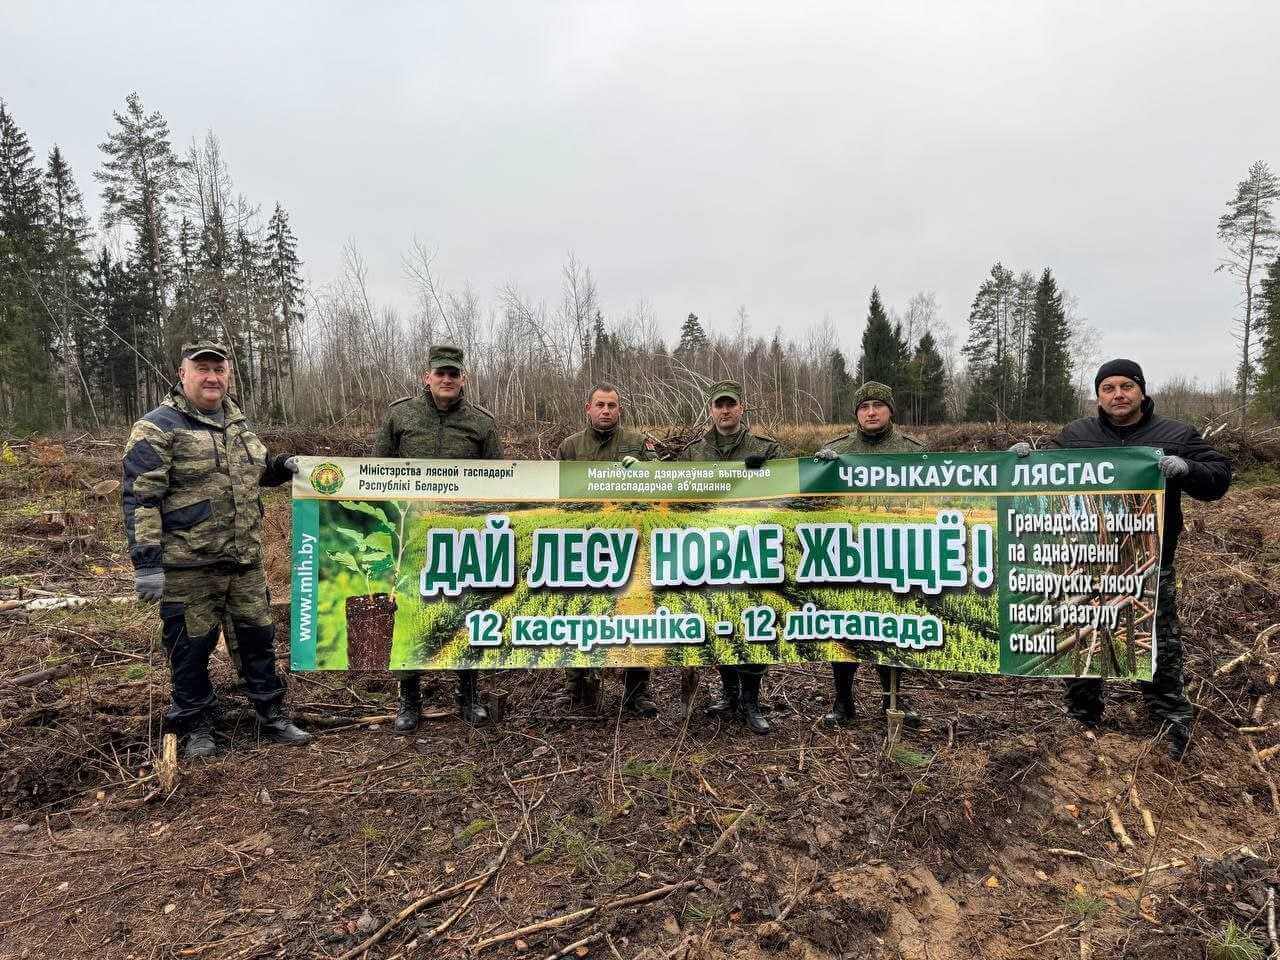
195	607
1165	696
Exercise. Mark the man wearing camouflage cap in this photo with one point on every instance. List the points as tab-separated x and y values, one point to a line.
876	434
193	469
439	423
606	439
729	438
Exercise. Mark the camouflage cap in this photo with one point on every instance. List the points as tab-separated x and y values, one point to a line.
443	355
873	390
725	388
203	348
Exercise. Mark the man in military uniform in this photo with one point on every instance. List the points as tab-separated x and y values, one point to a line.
876	434
605	438
439	423
1127	417
729	438
193	469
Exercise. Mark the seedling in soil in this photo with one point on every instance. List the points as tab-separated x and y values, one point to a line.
1233	944
377	557
911	757
1082	908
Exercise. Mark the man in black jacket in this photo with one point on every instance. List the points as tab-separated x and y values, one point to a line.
1126	418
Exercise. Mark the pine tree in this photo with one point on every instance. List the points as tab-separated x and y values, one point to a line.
989	349
882	347
1249	233
139	178
931	376
1268	396
26	332
1049	394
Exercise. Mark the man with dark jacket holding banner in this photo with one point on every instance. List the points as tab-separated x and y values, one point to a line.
1127	418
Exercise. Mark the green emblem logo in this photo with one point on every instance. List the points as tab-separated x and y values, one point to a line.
327	478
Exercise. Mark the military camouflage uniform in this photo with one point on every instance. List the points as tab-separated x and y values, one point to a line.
415	428
192	508
856	443
607	446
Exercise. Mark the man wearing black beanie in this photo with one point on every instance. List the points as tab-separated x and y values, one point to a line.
1126	417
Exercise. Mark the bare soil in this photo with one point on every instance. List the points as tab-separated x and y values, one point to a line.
1000	830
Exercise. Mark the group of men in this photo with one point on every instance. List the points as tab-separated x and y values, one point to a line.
193	469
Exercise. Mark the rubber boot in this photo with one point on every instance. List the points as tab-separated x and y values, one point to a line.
409	708
730	688
749	708
273	725
1179	735
635	693
470	709
200	745
910	715
845	708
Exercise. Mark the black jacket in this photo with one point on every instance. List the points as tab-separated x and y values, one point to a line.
1210	471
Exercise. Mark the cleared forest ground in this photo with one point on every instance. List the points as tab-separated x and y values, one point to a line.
1000	830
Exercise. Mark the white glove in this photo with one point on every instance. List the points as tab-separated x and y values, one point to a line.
826	453
148	583
1021	449
628	462
291	464
1172	466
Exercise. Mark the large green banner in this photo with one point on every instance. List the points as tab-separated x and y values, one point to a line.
982	563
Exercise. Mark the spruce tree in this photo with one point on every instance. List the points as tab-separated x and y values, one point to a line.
841	389
993	372
66	271
693	340
1050	395
931	376
881	346
26	331
1268	392
284	270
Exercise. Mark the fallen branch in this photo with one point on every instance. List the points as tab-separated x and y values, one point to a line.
724	838
39	676
1134	875
438	896
584	942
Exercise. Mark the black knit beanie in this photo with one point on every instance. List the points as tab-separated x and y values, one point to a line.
1120	368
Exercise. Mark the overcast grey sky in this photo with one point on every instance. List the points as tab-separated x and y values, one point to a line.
785	156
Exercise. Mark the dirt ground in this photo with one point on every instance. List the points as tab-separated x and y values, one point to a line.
1000	830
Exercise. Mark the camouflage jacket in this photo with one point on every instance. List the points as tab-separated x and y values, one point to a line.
591	444
416	429
191	487
889	440
743	443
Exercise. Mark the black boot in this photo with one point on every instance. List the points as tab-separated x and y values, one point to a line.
635	693
409	708
845	708
469	707
910	715
273	725
727	702
749	708
1179	735
200	745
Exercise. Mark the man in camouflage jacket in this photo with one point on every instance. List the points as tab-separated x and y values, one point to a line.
876	434
193	469
606	439
439	423
729	438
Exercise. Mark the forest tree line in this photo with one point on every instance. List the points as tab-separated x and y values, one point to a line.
92	317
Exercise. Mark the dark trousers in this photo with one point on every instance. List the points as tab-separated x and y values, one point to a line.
1165	695
194	606
843	673
743	670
